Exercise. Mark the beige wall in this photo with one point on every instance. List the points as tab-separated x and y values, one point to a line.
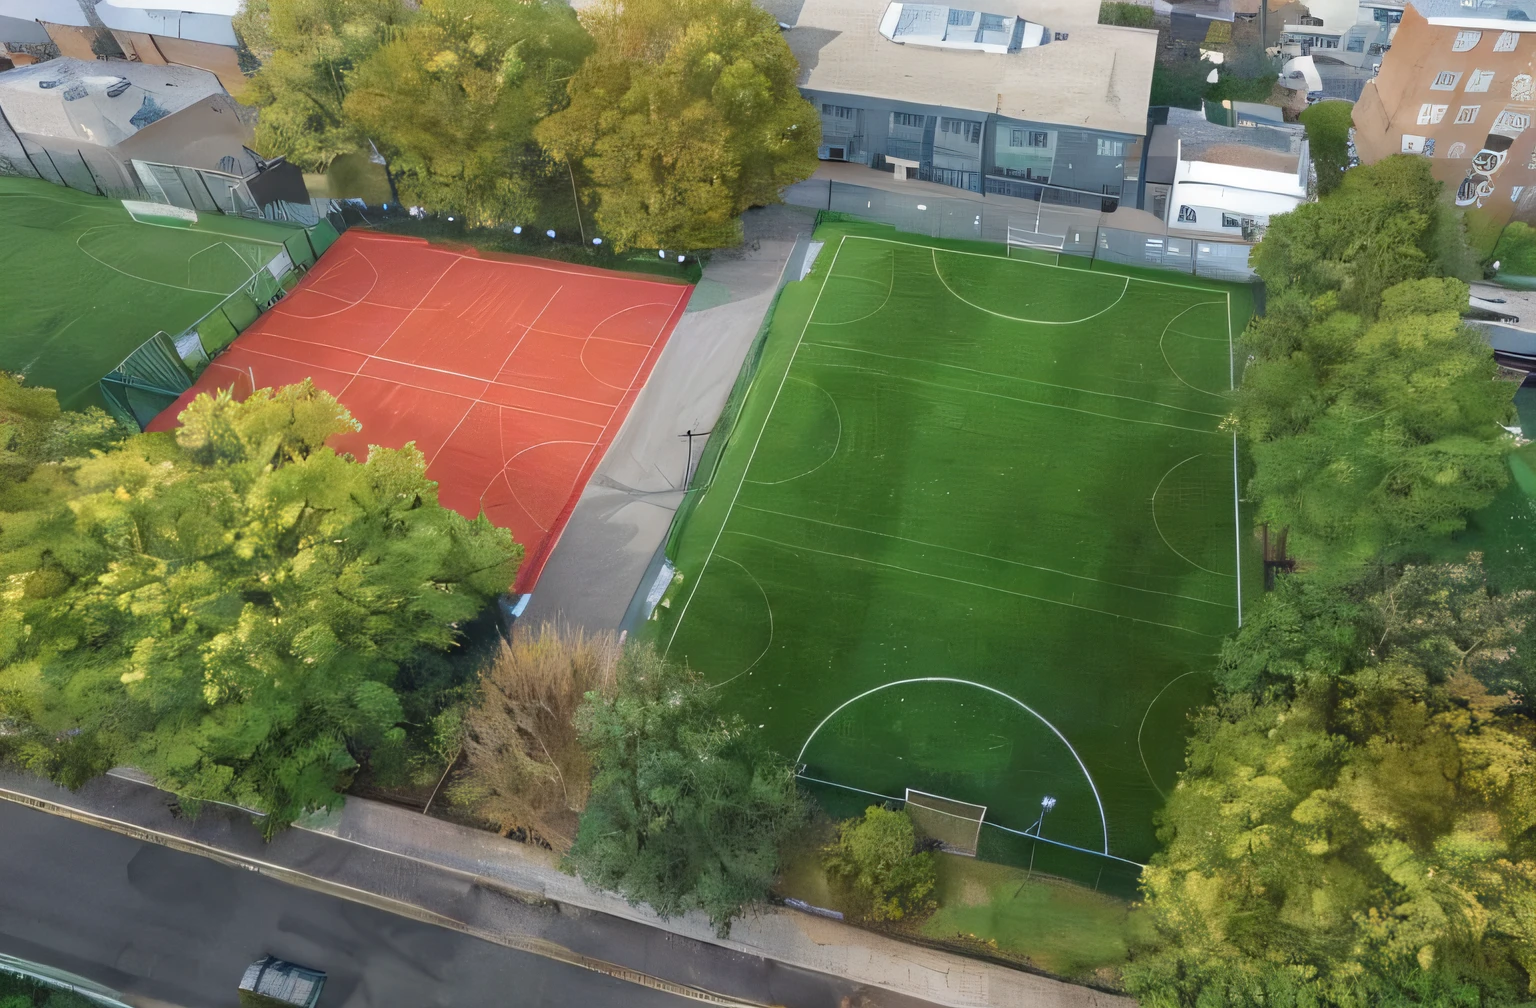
197	136
1488	162
72	41
160	50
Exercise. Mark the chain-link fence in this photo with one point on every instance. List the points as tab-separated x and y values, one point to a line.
1037	224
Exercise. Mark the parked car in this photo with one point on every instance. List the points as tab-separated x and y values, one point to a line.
271	982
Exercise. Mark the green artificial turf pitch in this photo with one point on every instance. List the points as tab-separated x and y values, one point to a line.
84	282
974	533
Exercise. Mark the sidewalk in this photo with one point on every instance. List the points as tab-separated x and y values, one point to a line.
510	893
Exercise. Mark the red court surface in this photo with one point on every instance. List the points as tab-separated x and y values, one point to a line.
511	374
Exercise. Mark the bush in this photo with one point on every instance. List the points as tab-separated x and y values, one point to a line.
1127	15
1328	124
887	873
527	770
1516	250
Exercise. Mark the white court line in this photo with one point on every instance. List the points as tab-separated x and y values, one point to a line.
988	556
1016	318
769	606
835	446
1237	518
1030	402
337	297
134	276
1145	714
1159	528
885	301
1031	381
581	355
976	584
501	474
1164	352
426	246
1026	262
1103	819
753	454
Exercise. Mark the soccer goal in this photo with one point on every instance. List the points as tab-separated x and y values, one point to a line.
956	825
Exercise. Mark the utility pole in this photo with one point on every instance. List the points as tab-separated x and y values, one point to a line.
1263	25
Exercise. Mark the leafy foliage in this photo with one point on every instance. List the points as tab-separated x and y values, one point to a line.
1361	833
527	769
688	808
453	96
878	858
308	49
1516	249
1372	412
229	608
1328	124
686	114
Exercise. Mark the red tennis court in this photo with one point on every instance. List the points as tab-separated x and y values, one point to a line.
511	374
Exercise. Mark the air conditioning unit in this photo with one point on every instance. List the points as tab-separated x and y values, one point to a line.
837	152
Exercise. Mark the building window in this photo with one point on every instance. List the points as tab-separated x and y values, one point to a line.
1430	114
1465	40
1467	114
1511	121
1230	221
993	23
1186	215
1413	144
961	17
1514	193
1445	80
1028	138
1479	80
1520	88
838	111
1355	44
1457	150
1387	16
967	130
1506	42
1429	147
906	119
1111	148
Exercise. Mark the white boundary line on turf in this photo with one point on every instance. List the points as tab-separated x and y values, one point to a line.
1103	819
889	290
1164	351
1026	262
1159	527
1016	318
767	605
1237	517
748	466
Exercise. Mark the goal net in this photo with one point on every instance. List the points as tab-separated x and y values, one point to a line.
956	825
1026	238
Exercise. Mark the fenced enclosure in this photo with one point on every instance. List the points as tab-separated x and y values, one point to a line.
1044	225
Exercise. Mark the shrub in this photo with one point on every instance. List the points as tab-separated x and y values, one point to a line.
888	874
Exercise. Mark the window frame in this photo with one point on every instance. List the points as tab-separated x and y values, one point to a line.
1466	40
1479	81
1466	115
1187	214
1234	219
1446	80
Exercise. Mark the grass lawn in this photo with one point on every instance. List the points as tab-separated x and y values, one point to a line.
975	534
1065	929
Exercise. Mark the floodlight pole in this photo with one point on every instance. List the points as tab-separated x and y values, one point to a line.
688	468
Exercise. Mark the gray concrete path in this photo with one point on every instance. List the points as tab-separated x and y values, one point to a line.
512	894
626	509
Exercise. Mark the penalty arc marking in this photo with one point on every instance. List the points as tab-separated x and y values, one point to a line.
1103	819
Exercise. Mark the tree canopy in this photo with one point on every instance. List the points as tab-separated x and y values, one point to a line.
453	96
229	607
308	49
688	808
1372	413
879	859
686	114
1360	833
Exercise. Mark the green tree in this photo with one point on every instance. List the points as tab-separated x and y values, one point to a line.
453	97
229	607
685	115
878	859
688	808
1328	124
308	48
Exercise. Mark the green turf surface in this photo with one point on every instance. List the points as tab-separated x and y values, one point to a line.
1001	478
85	283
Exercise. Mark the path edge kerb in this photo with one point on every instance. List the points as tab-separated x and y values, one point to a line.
534	946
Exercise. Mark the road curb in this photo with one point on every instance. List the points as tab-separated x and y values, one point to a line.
534	946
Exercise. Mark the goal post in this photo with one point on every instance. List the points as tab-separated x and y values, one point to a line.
956	825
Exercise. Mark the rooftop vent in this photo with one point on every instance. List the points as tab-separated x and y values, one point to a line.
956	28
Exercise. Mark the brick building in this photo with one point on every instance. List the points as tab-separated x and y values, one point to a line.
1456	87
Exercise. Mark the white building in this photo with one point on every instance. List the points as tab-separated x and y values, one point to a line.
1230	199
1356	32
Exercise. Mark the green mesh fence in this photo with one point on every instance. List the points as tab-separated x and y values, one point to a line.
147	381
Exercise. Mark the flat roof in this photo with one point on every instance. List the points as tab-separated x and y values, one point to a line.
1098	77
1508	15
1236	201
95	102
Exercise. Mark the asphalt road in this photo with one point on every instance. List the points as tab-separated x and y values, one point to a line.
156	923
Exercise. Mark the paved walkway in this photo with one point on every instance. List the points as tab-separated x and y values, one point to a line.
626	509
507	892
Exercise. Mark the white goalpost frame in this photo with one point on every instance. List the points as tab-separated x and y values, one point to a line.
978	819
